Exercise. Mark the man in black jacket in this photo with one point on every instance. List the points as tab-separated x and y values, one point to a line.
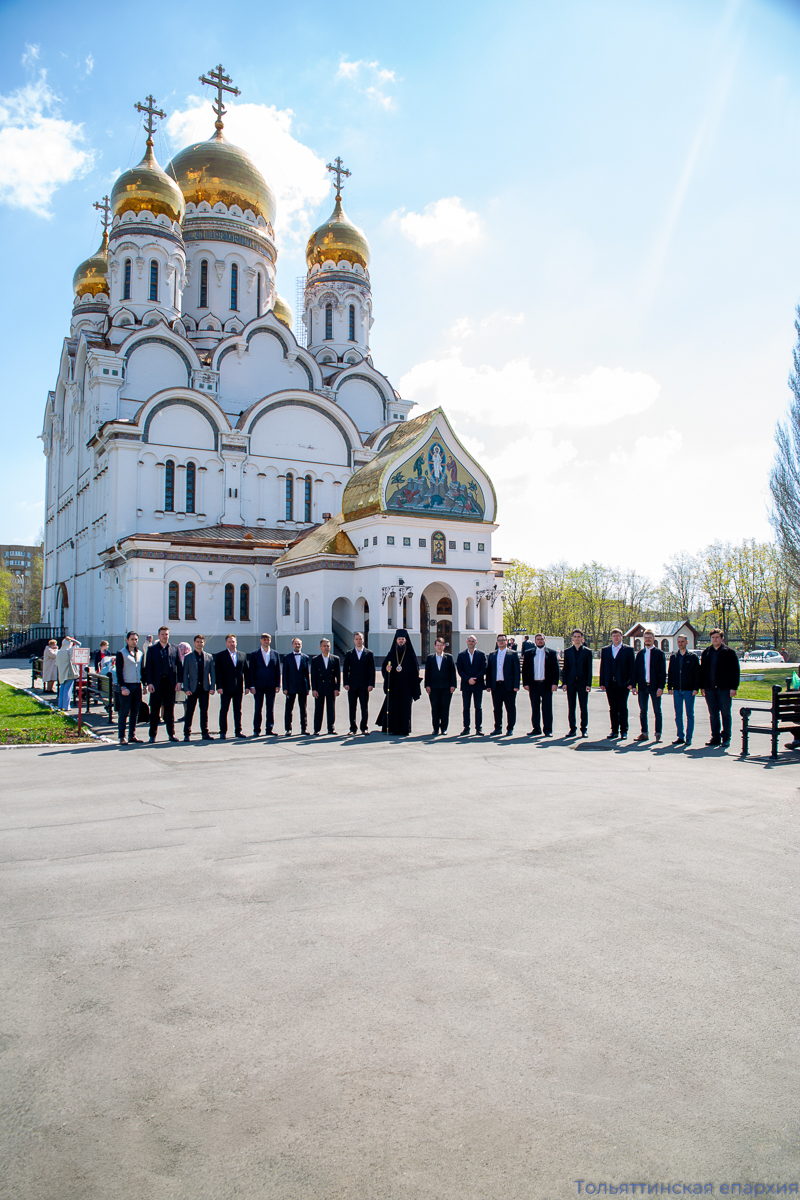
199	681
719	679
540	680
440	683
358	676
683	680
296	686
160	675
576	680
650	678
617	670
326	682
263	679
502	680
229	666
471	665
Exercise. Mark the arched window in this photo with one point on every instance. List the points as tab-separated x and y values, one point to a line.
229	591
287	602
204	283
352	322
126	280
172	611
307	499
234	286
190	478
328	321
169	486
665	645
445	607
289	496
188	602
305	615
258	294
244	603
297	608
153	279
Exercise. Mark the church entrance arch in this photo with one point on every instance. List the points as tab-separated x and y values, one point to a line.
62	606
436	617
362	619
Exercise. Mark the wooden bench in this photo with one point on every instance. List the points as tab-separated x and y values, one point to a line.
103	689
36	671
784	718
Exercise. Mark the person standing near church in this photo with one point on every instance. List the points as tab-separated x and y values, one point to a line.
576	679
358	676
296	686
617	670
650	678
160	673
471	665
326	683
400	672
229	672
540	679
199	682
440	683
502	680
683	680
128	663
263	679
719	679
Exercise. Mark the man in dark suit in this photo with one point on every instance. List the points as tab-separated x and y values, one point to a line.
540	680
326	682
160	675
296	686
719	679
199	681
263	680
358	676
650	679
440	683
229	665
471	665
617	670
502	680
576	680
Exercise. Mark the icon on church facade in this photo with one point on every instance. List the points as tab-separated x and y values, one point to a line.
438	548
433	480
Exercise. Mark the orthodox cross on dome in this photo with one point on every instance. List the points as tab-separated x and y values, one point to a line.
219	80
149	107
340	172
105	208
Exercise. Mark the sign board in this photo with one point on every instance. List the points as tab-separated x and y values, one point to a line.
80	656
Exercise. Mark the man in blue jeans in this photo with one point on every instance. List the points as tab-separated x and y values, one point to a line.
719	679
683	680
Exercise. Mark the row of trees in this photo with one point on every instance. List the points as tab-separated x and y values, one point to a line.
746	589
21	596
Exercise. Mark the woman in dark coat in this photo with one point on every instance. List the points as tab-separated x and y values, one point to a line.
400	672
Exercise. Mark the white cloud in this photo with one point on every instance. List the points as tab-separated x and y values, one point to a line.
39	149
516	394
465	327
369	78
444	220
89	63
30	56
294	172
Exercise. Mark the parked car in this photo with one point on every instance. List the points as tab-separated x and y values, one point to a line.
763	656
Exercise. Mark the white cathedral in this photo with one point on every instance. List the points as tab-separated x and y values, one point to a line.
207	471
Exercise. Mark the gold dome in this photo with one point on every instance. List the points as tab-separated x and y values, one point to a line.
91	277
283	312
216	171
338	239
146	188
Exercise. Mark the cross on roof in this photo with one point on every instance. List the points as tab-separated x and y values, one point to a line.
339	171
149	107
219	80
105	208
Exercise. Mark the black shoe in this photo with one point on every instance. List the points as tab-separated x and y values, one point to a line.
269	732
288	733
623	733
679	742
367	732
240	735
572	733
305	733
643	737
171	737
135	739
256	733
714	742
584	733
550	734
223	737
187	739
122	741
316	732
206	737
726	745
464	733
152	741
478	733
495	733
509	733
353	732
613	734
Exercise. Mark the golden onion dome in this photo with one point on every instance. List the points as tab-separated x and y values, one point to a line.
216	171
337	240
91	277
146	188
283	312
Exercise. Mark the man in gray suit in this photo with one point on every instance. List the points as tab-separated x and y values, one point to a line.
199	682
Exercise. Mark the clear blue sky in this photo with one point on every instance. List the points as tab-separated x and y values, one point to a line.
583	219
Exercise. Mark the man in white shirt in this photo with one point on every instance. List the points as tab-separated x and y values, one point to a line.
358	676
264	682
440	683
296	686
471	665
540	679
325	686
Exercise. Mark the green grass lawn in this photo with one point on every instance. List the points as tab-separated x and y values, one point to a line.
749	689
22	720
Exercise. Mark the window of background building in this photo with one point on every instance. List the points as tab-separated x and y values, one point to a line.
169	486
188	602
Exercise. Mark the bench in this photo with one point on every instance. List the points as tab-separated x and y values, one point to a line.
36	670
103	689
784	718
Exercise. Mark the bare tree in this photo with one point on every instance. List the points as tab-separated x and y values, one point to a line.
680	585
785	475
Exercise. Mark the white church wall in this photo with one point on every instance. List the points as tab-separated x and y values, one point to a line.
151	368
261	370
362	402
181	425
280	432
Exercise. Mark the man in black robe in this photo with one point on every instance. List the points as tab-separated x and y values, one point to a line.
400	672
